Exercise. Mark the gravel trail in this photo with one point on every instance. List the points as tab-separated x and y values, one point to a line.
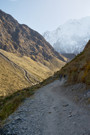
48	112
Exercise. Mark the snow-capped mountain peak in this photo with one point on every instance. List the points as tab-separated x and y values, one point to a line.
70	37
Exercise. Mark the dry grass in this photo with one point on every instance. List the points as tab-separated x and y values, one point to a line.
33	67
12	77
78	70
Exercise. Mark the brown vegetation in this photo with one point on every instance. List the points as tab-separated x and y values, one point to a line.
19	72
78	70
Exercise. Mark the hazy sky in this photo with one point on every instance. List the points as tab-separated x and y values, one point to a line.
43	15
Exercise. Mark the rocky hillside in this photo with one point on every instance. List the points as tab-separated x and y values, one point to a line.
18	38
26	57
78	70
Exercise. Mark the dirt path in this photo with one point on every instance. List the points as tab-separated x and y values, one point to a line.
48	112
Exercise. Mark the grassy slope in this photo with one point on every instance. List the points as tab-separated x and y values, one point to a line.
33	66
12	77
14	87
78	70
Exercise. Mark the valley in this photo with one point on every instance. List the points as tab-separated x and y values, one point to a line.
44	90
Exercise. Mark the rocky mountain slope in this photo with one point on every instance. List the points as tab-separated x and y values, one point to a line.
78	70
70	37
18	38
26	57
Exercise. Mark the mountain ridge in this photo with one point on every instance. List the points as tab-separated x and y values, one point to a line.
26	57
22	39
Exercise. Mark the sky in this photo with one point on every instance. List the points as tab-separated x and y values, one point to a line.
43	15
